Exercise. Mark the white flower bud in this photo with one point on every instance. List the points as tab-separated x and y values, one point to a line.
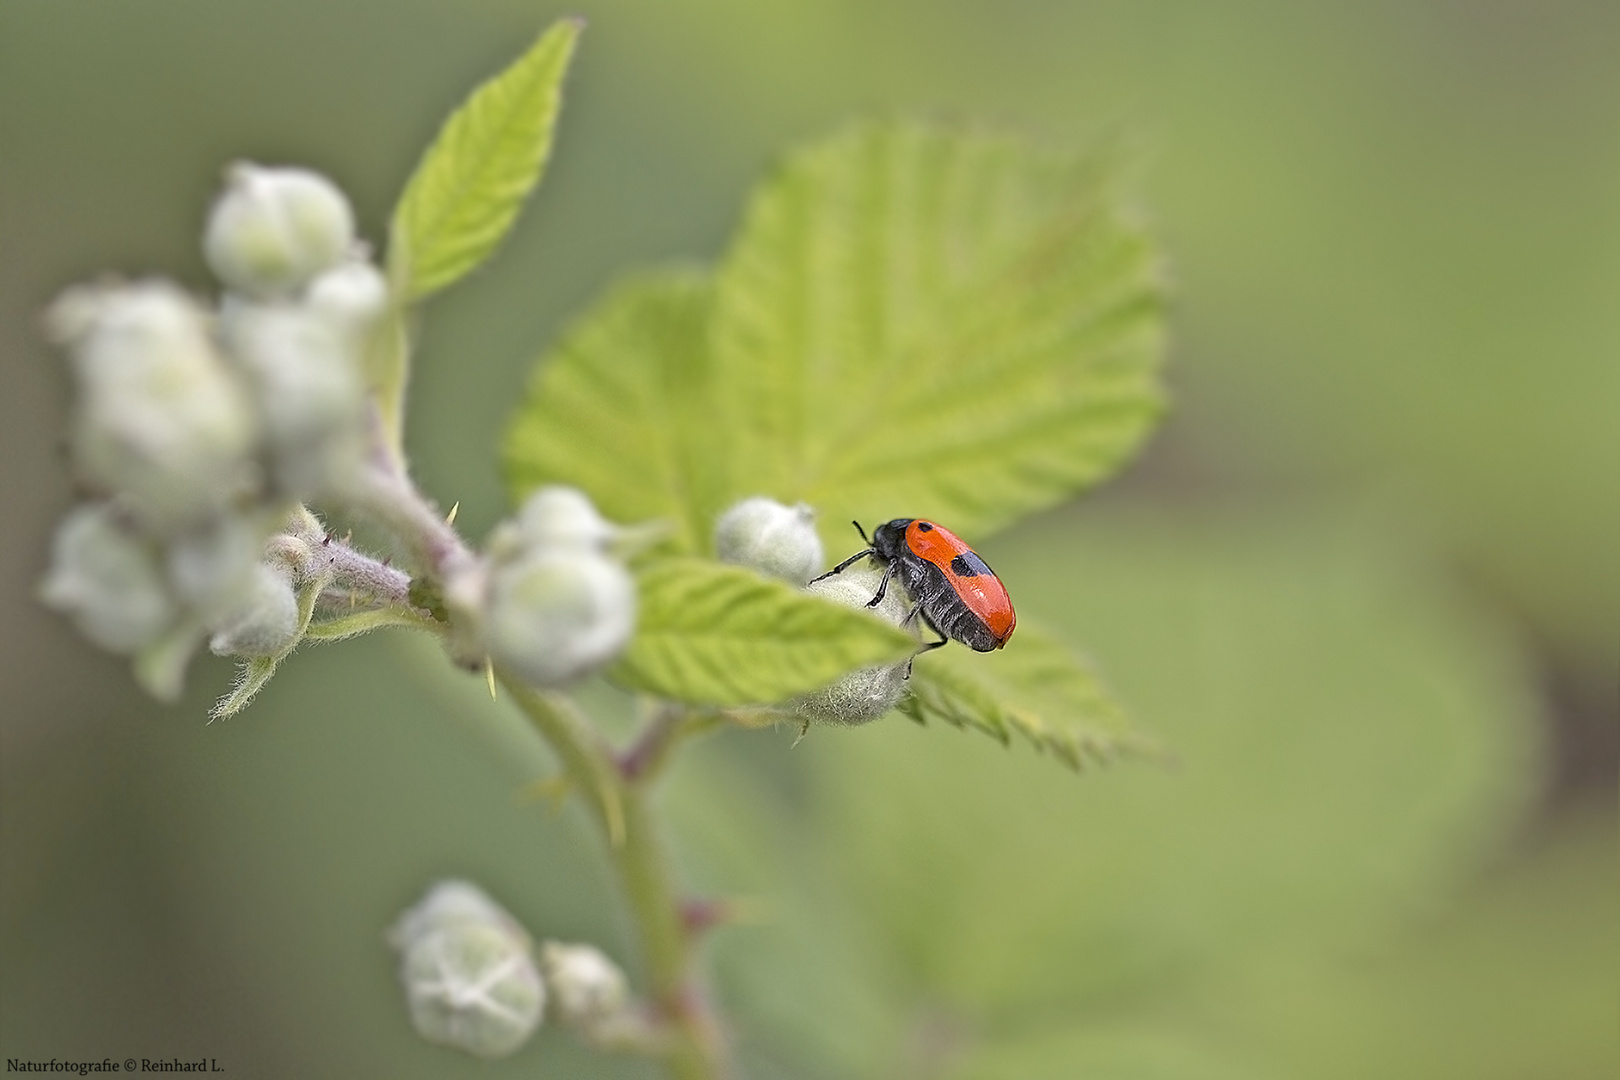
557	613
563	516
588	990
159	417
264	620
864	695
448	902
772	538
212	568
308	384
108	581
351	297
273	229
469	975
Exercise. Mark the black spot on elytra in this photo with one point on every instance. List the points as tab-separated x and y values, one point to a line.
968	564
923	526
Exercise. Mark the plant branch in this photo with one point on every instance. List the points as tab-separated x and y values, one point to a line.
394	501
695	1051
669	726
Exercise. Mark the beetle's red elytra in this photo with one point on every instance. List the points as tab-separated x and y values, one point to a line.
952	590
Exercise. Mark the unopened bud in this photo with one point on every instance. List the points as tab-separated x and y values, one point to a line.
351	297
772	538
108	580
159	417
564	517
558	613
866	694
273	229
448	902
588	990
307	381
212	568
468	971
264	621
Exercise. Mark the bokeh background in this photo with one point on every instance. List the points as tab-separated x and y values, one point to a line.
1366	580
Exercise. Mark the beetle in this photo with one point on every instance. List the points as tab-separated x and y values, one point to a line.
952	590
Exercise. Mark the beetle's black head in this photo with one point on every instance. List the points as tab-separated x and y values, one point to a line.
889	539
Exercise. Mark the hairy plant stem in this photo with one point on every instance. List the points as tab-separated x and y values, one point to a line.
391	499
619	801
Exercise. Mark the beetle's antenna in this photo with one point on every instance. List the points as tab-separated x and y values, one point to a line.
862	532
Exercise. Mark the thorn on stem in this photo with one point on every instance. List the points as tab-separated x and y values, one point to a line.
700	916
552	789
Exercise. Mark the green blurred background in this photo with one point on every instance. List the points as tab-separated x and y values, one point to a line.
1366	580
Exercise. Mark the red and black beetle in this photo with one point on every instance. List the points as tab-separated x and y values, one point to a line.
952	589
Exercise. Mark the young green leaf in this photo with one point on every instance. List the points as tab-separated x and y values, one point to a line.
920	322
630	377
472	181
721	635
251	677
1037	688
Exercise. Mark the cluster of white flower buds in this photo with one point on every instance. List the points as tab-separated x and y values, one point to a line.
471	981
197	432
782	541
555	602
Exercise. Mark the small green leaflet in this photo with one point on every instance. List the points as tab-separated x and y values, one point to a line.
468	188
1035	687
713	634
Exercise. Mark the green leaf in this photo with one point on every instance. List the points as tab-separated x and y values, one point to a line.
618	410
469	186
713	634
925	323
1035	687
251	677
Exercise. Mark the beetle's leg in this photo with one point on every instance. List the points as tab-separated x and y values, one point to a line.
845	565
943	639
916	614
883	586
